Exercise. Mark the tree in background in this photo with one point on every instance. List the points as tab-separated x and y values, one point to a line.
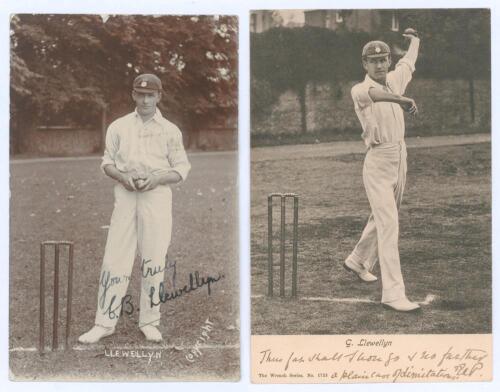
291	58
73	67
455	44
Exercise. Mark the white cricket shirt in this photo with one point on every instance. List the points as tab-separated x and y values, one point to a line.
383	122
151	147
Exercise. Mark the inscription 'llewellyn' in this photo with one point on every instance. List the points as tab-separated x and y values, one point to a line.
138	354
369	343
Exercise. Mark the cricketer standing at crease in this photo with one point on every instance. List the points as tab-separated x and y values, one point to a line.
144	155
379	102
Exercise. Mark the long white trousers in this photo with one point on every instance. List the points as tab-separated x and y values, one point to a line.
384	177
141	224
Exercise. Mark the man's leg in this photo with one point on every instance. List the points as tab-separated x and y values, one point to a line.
401	183
119	256
365	252
381	178
154	232
385	209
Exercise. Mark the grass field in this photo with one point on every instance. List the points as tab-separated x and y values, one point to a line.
73	200
445	244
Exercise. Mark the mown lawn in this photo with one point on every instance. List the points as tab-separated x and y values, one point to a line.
73	200
445	244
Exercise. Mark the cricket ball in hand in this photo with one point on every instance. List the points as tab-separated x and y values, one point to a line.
411	31
139	183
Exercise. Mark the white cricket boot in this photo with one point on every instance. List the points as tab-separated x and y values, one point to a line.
402	305
95	334
151	333
363	274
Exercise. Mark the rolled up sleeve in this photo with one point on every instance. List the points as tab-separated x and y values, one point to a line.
405	67
401	76
177	156
111	149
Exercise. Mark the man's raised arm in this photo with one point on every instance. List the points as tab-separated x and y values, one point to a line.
406	65
412	53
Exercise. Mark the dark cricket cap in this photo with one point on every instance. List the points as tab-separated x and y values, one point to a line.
147	83
376	49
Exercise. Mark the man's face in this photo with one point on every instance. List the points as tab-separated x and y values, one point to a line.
377	67
146	102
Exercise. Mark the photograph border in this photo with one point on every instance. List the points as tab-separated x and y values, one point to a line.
242	10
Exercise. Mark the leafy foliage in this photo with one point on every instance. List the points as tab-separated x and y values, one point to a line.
455	44
263	97
76	65
290	58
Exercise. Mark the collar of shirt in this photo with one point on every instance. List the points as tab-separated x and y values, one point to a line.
156	117
373	83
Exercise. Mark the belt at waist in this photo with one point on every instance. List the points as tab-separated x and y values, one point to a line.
388	144
388	150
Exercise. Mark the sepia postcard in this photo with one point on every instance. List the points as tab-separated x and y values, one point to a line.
123	209
371	196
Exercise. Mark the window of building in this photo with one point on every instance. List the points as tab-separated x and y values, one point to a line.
394	22
253	23
327	20
338	17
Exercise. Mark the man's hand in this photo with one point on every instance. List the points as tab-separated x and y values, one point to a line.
409	105
149	182
410	33
127	180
